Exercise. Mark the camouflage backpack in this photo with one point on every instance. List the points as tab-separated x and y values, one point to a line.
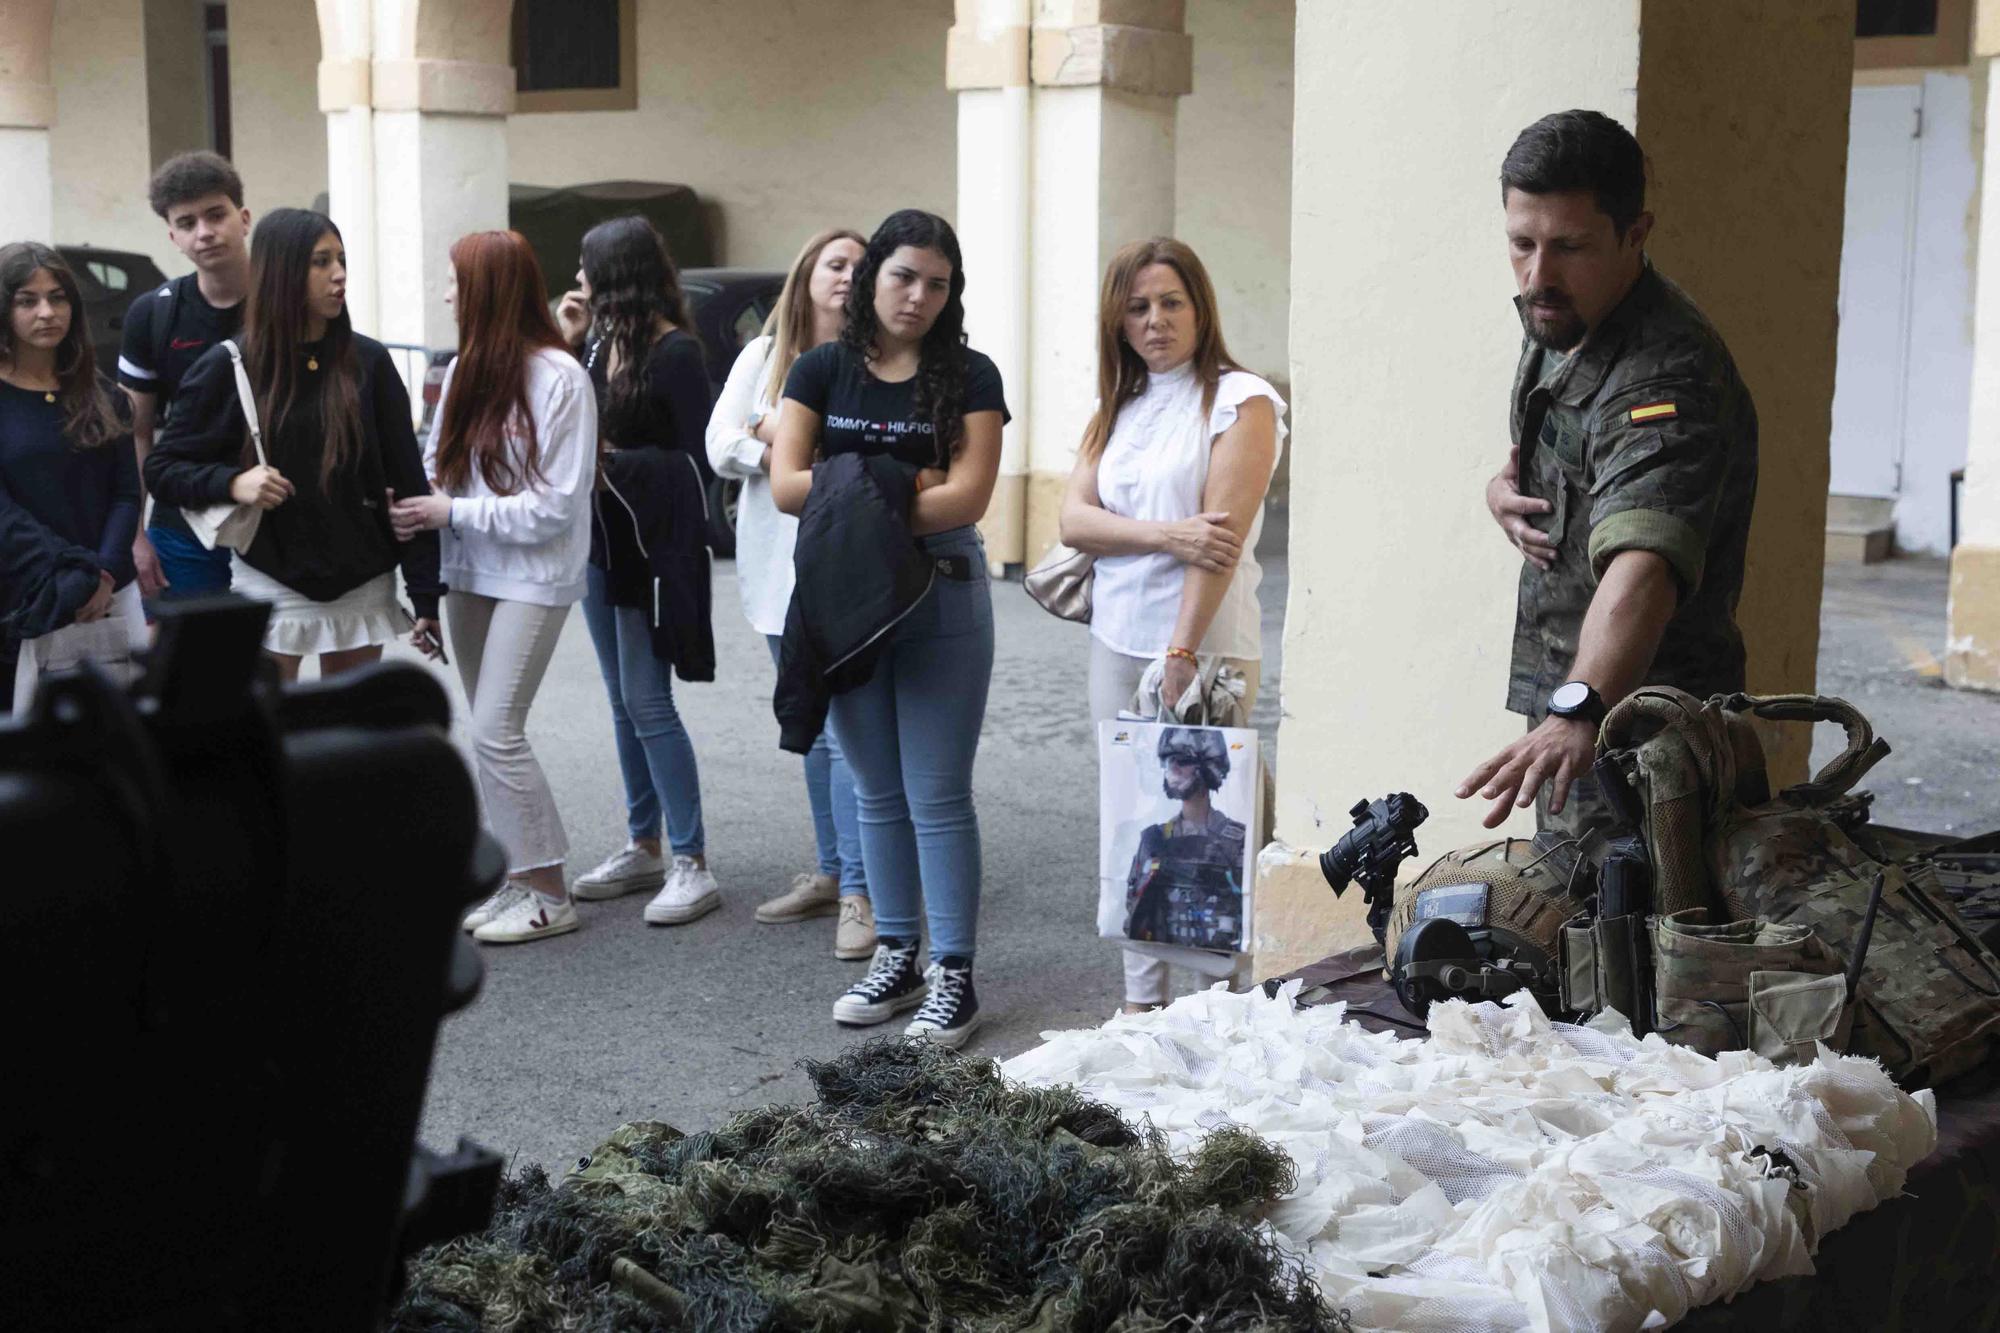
1929	999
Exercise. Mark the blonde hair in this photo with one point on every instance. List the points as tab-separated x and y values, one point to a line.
790	323
1121	374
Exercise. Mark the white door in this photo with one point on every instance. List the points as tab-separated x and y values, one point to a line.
1877	253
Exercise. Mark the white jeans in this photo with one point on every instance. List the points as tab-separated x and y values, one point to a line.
1114	677
503	651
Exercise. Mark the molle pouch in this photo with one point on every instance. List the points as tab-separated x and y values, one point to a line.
1605	965
1577	973
1701	975
1792	1012
1624	970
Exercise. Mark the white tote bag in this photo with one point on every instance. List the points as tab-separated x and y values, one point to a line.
230	524
1179	807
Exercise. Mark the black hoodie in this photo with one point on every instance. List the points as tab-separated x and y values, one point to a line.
321	543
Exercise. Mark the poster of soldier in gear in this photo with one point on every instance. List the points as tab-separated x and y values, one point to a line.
1175	859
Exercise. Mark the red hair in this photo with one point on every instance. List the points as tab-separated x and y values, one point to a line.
503	319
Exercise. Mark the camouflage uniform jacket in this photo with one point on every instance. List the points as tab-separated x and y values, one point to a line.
1642	438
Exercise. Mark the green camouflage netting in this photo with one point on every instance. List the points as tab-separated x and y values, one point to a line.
918	1192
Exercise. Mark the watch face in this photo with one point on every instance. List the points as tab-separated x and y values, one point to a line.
1569	697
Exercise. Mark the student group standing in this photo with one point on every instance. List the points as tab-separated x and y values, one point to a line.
562	471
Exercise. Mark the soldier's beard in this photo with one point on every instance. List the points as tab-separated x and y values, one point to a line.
1558	332
1183	788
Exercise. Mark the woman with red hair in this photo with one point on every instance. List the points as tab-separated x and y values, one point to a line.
512	459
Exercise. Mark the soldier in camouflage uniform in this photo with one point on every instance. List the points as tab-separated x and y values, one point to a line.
1186	882
1633	470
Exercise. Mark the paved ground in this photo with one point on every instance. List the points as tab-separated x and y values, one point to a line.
620	1021
1882	631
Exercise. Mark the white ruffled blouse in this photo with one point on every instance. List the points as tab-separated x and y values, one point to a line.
1155	466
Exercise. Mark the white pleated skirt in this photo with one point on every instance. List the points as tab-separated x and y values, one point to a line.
300	627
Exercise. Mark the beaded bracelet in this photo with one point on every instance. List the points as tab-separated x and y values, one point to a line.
1184	653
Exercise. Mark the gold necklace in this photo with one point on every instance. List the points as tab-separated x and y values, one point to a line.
48	397
312	363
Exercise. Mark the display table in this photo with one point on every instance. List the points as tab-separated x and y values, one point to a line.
1927	1261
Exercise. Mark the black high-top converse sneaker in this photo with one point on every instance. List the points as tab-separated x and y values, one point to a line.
892	985
951	1014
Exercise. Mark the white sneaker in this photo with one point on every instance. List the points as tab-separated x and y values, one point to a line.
530	917
689	893
496	902
624	871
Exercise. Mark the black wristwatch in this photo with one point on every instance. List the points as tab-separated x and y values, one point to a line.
1576	699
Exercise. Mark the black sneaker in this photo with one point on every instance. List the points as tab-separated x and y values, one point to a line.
892	985
951	1014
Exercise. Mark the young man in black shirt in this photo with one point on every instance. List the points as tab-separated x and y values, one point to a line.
200	198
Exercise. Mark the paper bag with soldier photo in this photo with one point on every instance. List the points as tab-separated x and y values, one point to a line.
1175	853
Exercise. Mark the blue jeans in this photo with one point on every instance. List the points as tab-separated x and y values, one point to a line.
654	752
190	569
910	735
830	793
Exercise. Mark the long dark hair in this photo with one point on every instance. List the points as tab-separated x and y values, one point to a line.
633	285
274	340
88	417
502	322
941	359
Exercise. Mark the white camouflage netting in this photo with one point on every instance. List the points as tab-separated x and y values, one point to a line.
1510	1172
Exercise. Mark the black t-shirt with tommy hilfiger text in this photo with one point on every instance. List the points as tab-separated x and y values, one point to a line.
861	414
147	364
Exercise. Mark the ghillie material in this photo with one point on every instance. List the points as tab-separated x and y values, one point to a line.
919	1192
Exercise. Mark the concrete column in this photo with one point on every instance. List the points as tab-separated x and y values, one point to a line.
1398	630
27	109
416	94
986	64
346	29
1107	75
1972	645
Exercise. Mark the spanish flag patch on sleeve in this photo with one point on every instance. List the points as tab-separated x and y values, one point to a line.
1654	412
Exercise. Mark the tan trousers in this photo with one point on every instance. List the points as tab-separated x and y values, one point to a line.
503	651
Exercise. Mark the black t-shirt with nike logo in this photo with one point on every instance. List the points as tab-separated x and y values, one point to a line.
145	367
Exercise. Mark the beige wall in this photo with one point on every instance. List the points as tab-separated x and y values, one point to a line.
176	78
99	149
1233	200
279	133
1402	590
1748	188
788	118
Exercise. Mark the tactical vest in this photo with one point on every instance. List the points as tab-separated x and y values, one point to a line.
1928	1004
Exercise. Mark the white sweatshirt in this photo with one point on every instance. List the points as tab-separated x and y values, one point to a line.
531	546
764	535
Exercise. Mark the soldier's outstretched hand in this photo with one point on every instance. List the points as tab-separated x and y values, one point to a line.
1558	751
1510	509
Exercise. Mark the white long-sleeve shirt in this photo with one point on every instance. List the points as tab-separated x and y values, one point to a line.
764	536
531	546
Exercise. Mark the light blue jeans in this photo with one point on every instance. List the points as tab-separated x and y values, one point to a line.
910	735
830	793
655	755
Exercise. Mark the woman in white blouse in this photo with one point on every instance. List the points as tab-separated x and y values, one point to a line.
1168	494
810	311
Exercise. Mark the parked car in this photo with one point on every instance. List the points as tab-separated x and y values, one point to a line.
110	281
729	306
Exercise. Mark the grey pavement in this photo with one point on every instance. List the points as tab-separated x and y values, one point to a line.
618	1021
1882	634
691	1024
